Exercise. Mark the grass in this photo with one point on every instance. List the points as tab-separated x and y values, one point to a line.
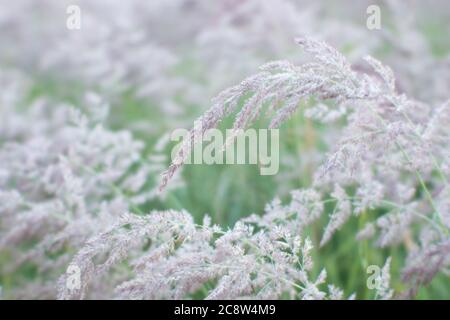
228	192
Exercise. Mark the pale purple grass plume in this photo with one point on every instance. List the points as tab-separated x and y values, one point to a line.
260	257
391	145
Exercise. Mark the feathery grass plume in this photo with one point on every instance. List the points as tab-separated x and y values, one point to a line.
423	265
65	178
342	211
261	257
282	86
385	150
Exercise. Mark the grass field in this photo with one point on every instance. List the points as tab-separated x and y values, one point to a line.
205	64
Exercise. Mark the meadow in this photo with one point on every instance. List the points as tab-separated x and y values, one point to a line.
92	205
